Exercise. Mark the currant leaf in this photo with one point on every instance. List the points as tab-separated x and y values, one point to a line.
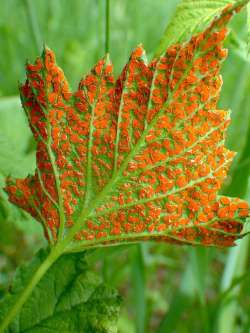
75	301
139	158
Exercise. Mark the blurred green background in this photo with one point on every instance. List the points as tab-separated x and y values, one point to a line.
166	289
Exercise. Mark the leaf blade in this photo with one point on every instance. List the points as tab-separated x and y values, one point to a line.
76	301
146	155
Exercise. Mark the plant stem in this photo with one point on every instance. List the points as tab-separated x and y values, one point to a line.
32	19
107	26
139	282
48	262
236	266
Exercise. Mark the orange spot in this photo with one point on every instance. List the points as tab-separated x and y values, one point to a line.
222	212
138	52
181	181
242	205
202	218
244	213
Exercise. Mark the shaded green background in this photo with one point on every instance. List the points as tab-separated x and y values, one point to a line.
165	288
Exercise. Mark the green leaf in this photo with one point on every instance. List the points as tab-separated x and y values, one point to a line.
68	299
190	16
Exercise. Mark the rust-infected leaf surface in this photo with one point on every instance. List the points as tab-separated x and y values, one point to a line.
139	158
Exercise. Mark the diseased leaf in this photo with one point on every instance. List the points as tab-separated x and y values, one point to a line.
139	158
68	299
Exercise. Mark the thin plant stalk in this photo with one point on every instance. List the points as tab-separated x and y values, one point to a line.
236	266
107	26
33	22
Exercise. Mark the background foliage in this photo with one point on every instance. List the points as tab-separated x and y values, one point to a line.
166	288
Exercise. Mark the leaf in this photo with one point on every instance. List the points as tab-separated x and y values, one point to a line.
190	16
68	299
139	158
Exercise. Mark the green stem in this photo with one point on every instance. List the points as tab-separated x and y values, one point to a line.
139	283
48	262
236	266
32	19
107	26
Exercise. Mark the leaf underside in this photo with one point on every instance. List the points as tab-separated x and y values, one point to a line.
75	301
137	158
